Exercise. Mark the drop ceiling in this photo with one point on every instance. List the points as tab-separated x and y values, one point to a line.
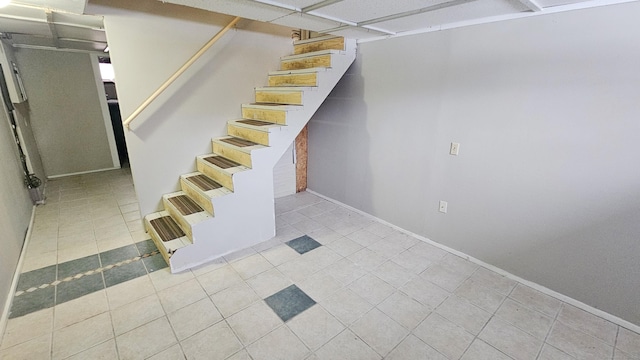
60	24
52	24
378	19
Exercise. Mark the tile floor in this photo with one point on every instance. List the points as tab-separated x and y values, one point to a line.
346	287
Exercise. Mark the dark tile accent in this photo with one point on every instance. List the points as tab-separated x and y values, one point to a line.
33	301
145	247
74	289
73	267
303	244
289	302
124	273
29	279
119	254
155	262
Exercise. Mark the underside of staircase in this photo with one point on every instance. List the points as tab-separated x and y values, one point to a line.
227	204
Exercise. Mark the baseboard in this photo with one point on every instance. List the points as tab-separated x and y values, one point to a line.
82	173
571	301
16	275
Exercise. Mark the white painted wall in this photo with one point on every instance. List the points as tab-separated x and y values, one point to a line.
546	110
15	208
284	174
148	42
64	108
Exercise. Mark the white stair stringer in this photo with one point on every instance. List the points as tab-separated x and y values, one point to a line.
246	216
313	97
243	218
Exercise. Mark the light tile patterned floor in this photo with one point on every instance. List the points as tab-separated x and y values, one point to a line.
378	293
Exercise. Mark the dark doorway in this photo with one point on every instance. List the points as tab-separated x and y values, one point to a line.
116	122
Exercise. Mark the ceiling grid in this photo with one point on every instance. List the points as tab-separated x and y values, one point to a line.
60	24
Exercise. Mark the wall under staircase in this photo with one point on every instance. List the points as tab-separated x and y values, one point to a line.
227	204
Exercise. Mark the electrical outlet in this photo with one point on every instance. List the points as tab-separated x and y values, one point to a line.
455	147
443	206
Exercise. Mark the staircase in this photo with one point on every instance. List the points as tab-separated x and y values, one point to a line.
228	203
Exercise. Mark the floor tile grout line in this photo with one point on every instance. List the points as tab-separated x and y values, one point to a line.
555	316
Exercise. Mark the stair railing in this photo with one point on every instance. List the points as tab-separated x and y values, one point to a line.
179	72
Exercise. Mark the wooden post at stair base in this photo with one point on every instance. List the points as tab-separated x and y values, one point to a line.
302	156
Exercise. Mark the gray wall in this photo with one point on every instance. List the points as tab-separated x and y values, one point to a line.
65	111
15	207
21	114
148	42
546	109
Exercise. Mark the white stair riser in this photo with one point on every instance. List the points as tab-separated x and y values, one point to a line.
306	63
330	44
285	97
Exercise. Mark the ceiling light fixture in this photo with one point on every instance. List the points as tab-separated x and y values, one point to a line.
4	3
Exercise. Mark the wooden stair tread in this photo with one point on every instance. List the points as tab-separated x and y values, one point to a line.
221	162
246	147
219	168
311	54
257	125
316	39
299	71
273	106
202	189
286	88
203	182
185	205
166	228
255	122
239	142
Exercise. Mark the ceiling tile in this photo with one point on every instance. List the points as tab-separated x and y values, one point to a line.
296	3
362	10
307	22
550	3
472	10
243	8
357	33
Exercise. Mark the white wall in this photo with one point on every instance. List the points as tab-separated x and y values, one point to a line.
546	110
65	111
284	174
15	207
148	42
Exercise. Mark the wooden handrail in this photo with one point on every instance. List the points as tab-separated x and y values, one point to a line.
180	71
